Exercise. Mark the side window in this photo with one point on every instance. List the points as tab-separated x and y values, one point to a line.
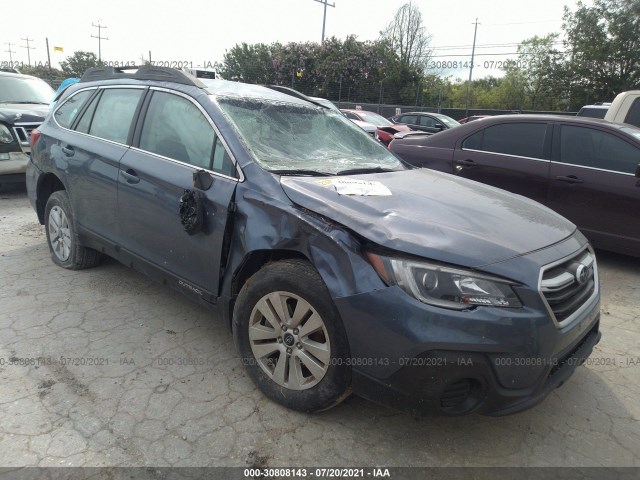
521	139
633	117
411	119
222	162
114	113
85	122
428	121
175	128
594	148
351	116
474	142
67	113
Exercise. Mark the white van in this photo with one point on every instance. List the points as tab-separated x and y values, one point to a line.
625	108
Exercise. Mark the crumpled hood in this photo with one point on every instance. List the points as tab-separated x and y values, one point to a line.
11	113
436	216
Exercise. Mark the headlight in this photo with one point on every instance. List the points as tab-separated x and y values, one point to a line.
5	134
444	286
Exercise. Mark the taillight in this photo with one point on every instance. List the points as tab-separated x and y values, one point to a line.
35	135
389	145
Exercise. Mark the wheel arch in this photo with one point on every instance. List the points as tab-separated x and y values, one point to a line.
252	262
47	184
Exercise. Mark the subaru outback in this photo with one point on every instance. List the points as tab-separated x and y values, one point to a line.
337	268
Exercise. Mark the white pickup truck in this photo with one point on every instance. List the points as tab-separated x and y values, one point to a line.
625	108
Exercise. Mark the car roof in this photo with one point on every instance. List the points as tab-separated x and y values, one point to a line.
465	129
182	81
420	113
355	110
18	75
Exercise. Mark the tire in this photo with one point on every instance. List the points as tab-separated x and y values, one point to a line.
315	375
62	236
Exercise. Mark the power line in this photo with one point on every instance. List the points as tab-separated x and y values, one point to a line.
100	38
522	23
28	47
487	46
324	18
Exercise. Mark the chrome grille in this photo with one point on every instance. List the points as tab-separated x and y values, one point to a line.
23	133
568	284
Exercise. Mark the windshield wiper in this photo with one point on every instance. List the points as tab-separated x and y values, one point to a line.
301	171
354	171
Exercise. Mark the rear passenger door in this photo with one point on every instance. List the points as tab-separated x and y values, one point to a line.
174	139
97	127
512	156
593	184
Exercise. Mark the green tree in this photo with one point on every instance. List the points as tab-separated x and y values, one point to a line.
249	63
604	49
408	36
43	72
76	64
537	73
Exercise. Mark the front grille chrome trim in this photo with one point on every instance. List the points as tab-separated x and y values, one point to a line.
23	131
586	257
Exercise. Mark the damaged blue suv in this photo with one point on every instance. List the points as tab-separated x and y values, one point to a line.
337	268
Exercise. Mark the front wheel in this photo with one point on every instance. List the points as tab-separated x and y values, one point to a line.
62	236
291	338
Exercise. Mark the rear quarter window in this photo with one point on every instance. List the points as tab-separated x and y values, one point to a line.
633	117
69	110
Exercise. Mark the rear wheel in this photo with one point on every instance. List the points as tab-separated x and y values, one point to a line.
62	236
291	338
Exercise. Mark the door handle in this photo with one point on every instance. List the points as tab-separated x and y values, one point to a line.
130	176
68	151
466	163
569	179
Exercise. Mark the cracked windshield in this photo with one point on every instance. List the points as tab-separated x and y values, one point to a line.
289	138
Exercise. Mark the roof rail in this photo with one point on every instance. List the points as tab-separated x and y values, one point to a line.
142	72
294	93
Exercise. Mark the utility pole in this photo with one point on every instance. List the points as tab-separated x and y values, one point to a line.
28	47
49	61
100	38
9	51
324	18
473	53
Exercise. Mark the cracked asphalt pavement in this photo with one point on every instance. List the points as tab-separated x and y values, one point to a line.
103	367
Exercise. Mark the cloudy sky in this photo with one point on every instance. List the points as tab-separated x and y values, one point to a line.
199	32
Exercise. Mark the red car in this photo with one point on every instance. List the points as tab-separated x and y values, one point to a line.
586	169
384	128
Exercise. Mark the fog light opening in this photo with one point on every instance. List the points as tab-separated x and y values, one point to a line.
461	396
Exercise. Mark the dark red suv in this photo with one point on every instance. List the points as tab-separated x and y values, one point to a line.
585	169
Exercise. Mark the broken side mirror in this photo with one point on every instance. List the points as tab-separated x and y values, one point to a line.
202	180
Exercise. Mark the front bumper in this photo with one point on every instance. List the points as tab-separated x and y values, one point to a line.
422	359
13	166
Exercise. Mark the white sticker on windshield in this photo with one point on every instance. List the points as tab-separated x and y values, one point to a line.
352	186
